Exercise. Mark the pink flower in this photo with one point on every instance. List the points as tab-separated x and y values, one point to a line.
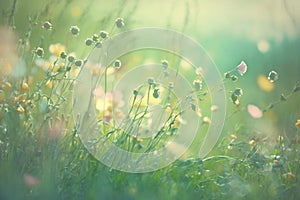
254	111
30	180
242	68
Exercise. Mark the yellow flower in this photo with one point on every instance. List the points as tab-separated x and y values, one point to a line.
233	137
57	49
24	86
264	83
289	175
280	138
297	124
20	109
20	98
206	120
7	86
49	83
251	142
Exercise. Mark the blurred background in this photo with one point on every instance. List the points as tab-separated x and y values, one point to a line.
263	33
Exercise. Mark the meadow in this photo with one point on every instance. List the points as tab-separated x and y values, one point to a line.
60	109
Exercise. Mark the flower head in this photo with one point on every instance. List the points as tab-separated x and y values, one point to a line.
254	111
297	124
39	52
273	76
165	64
120	22
74	30
78	63
47	25
89	41
242	68
103	34
197	84
117	64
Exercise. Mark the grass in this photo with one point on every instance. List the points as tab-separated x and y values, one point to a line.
42	152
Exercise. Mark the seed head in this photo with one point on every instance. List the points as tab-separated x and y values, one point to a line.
120	22
74	30
39	52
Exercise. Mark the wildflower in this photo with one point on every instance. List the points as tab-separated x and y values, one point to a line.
74	30
98	44
120	22
20	109
264	84
39	52
242	68
273	76
135	92
233	137
165	64
214	108
297	124
206	120
7	86
238	92
197	84
229	147
168	108
234	78
20	98
71	58
95	37
78	63
156	93
57	49
171	85
235	99
49	83
150	80
63	55
254	111
227	75
89	42
117	64
252	142
47	25
103	34
279	138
